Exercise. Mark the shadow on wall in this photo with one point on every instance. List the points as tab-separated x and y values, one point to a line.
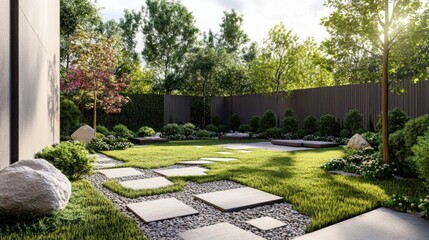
53	95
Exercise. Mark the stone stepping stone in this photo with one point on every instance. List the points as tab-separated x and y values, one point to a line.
215	159
266	223
238	199
220	231
198	146
224	153
161	209
345	173
244	151
147	183
195	162
120	172
104	165
182	172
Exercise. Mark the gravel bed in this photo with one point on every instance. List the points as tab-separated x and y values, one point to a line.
296	223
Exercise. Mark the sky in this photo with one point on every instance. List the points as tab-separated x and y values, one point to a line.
301	16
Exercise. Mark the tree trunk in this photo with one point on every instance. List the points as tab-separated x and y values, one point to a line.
94	123
385	86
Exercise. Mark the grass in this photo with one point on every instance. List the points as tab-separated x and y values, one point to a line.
295	176
88	215
114	186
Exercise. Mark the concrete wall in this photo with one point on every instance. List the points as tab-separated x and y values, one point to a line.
38	75
4	83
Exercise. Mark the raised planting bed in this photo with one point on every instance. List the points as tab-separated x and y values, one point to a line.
235	136
304	143
148	140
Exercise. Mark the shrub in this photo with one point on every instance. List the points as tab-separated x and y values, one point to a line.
216	120
70	117
244	128
275	133
211	128
254	123
289	125
353	121
421	157
414	128
109	143
171	129
268	120
222	128
399	154
345	133
99	135
203	134
404	203
289	113
310	125
71	158
234	122
328	125
121	130
103	130
145	131
188	129
374	139
396	118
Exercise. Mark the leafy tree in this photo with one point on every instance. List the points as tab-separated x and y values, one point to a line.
370	28
231	74
169	35
232	37
141	80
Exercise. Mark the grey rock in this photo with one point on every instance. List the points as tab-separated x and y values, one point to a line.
357	142
84	134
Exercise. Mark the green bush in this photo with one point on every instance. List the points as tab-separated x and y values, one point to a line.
274	133
374	139
244	128
203	134
71	158
70	117
222	128
310	125
289	113
99	135
289	125
121	130
211	128
328	126
399	154
188	129
254	123
234	122
353	121
268	120
145	131
108	143
103	130
171	129
414	128
421	157
200	111
345	133
396	118
216	120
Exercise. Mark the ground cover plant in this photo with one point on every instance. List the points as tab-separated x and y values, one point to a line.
114	186
295	176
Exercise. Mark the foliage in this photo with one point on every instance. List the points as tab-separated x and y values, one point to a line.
109	143
234	122
374	139
353	121
114	186
328	125
211	128
200	111
399	154
222	128
254	123
407	204
145	131
268	120
103	130
414	128
289	124
71	158
289	113
232	37
216	120
171	129
310	125
340	140
421	156
70	117
122	131
203	134
397	120
188	129
345	133
273	133
141	80
245	128
231	75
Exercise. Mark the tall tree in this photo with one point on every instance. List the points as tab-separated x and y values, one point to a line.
169	35
374	27
232	37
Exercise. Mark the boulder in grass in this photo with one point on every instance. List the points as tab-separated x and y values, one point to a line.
84	134
357	142
33	187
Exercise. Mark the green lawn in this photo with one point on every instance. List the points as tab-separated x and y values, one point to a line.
296	176
89	215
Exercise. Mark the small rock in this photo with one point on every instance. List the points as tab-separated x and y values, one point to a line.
84	134
357	142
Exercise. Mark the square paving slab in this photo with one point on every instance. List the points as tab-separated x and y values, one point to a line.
182	172
221	231
104	165
120	172
161	209
244	151
266	223
215	159
237	199
147	183
195	162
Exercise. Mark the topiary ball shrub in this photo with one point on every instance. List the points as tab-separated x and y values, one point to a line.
328	126
310	125
103	130
188	129
289	125
421	157
70	117
396	118
211	128
203	134
289	113
71	158
353	121
268	120
217	121
245	128
121	130
234	122
222	128
171	129
145	131
273	133
254	123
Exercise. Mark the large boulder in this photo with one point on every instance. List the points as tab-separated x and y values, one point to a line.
357	142
84	134
33	187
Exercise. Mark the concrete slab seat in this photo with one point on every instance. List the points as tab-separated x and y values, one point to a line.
220	231
304	143
149	140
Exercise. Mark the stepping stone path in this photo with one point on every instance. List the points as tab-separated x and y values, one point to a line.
244	151
215	159
198	146
195	162
237	199
182	172
266	223
224	153
120	172
221	231
104	165
161	209
147	183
